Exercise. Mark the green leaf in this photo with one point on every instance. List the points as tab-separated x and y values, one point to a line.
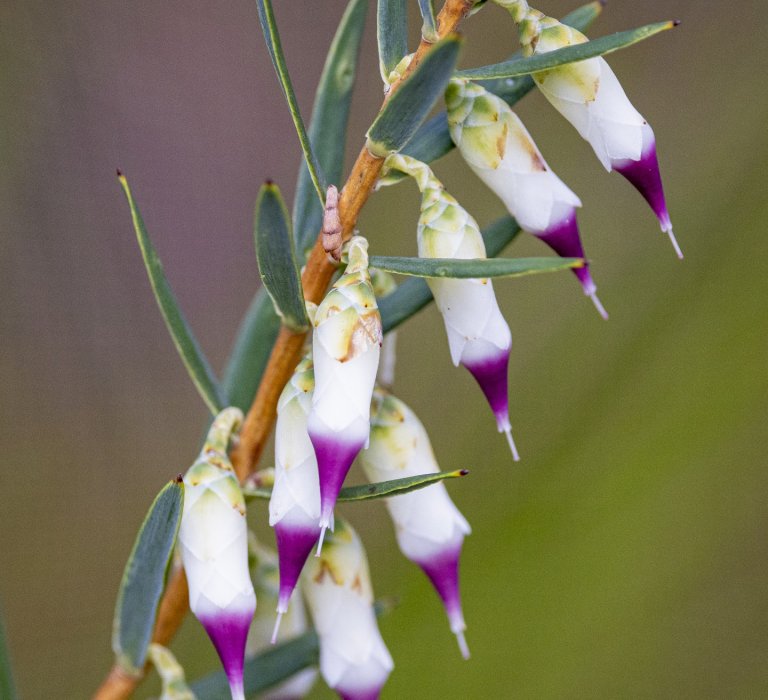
250	352
144	578
473	268
381	489
413	294
191	355
433	140
429	28
569	54
275	48
407	108
7	685
265	670
328	127
391	34
277	258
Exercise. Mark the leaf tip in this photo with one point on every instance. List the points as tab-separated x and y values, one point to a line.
463	472
676	22
178	479
119	172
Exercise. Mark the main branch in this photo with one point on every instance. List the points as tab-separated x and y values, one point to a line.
285	355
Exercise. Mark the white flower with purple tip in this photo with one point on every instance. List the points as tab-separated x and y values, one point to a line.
294	507
346	345
354	660
499	149
265	574
478	336
588	94
430	529
213	540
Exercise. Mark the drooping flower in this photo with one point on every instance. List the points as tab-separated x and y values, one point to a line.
430	529
501	152
345	348
214	549
588	94
265	574
478	336
171	674
354	660
294	507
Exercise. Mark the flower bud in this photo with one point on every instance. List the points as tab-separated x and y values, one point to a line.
171	674
478	336
501	152
345	349
263	563
430	529
214	549
354	660
294	508
588	94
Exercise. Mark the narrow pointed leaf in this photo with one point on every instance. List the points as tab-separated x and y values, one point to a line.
328	127
413	294
429	28
404	112
189	349
277	258
433	140
275	48
250	352
474	268
7	685
391	34
144	578
381	489
569	54
265	670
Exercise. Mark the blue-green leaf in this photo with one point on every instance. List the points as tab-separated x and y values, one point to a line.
472	268
578	52
277	258
429	27
275	48
144	578
250	352
380	489
407	108
265	670
194	360
391	34
433	140
7	685
328	127
413	294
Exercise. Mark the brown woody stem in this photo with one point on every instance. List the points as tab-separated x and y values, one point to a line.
285	355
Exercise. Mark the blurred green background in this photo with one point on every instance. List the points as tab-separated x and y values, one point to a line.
626	556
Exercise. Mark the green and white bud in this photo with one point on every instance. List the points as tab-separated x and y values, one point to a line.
354	660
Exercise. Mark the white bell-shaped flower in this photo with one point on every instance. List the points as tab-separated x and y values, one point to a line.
499	149
478	336
346	346
429	528
354	660
214	549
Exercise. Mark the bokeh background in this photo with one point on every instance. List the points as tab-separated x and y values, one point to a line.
624	557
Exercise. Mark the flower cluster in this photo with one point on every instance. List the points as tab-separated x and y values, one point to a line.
338	405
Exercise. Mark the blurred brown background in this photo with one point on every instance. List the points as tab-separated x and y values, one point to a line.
624	557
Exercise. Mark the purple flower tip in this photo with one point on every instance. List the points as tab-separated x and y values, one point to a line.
565	240
645	176
228	632
334	458
293	547
368	694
